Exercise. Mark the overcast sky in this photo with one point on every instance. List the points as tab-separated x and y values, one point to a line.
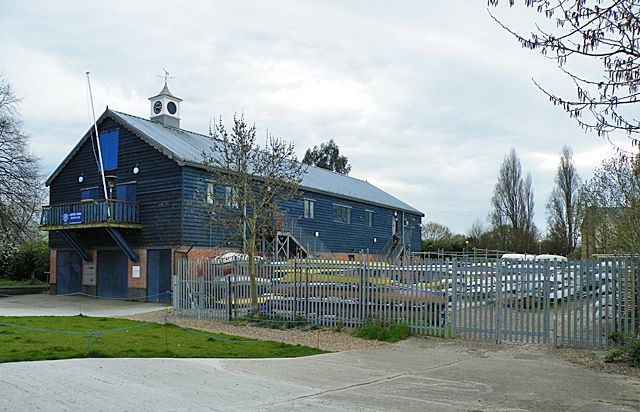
424	98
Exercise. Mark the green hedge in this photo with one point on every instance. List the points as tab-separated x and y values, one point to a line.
30	260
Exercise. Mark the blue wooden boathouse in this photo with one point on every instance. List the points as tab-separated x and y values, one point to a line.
121	238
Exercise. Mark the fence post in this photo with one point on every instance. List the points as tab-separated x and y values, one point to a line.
498	301
454	297
306	293
545	304
295	289
361	289
176	288
229	301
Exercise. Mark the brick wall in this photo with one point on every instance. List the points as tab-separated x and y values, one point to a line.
141	282
52	266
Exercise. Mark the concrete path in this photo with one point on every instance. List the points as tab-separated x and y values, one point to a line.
416	375
53	305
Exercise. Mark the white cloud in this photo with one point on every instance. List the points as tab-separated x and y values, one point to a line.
424	99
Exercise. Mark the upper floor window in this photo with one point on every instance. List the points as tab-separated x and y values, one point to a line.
90	193
309	208
231	199
109	149
341	214
126	192
368	214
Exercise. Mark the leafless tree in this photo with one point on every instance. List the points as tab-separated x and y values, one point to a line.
606	32
248	184
512	207
476	231
20	188
565	206
436	232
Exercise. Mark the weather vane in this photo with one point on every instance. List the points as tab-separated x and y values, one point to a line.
166	75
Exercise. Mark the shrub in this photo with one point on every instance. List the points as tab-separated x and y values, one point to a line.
31	260
629	349
633	352
378	330
7	251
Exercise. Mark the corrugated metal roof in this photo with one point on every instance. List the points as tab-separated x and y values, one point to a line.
188	147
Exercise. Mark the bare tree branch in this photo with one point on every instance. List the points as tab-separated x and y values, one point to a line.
607	31
512	207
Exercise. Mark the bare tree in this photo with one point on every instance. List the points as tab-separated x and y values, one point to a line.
20	188
436	232
512	207
476	231
248	184
327	156
565	207
612	198
606	32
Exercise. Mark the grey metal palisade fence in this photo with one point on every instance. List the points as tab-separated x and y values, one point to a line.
559	303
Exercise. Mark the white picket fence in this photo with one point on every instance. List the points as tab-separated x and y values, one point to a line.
558	303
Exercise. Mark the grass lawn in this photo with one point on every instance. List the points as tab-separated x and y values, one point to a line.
9	282
148	341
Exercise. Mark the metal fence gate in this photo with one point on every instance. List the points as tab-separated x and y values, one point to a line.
577	303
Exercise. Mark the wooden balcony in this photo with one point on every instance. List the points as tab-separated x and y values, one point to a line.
91	214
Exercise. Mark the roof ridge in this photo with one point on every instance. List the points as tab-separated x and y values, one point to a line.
160	124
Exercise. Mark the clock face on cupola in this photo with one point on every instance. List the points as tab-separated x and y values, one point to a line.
157	107
165	108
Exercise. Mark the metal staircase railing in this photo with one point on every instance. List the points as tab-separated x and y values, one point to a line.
393	252
313	245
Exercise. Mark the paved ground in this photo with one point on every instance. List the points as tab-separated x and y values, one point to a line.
418	374
52	305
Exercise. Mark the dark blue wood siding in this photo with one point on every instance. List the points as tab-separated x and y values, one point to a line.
336	237
158	190
197	228
355	236
172	204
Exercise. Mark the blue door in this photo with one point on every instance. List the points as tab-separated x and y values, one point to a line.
68	272
159	275
112	272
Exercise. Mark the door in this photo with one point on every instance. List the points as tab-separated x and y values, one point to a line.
159	275
112	274
68	272
394	225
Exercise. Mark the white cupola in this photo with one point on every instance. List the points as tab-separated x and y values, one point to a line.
165	108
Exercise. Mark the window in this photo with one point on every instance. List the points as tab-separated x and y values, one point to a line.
368	214
309	209
90	193
211	193
126	192
109	149
341	214
231	198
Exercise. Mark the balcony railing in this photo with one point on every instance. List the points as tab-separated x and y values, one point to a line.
92	213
